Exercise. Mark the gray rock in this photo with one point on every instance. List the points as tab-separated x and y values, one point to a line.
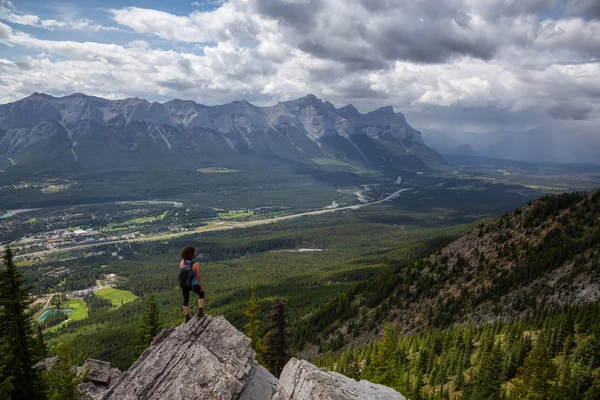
99	371
100	378
46	363
207	358
300	380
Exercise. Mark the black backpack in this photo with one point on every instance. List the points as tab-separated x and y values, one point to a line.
186	274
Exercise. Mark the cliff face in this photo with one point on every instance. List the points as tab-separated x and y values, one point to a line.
208	358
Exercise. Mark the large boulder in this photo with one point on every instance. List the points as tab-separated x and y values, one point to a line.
300	380
100	378
207	358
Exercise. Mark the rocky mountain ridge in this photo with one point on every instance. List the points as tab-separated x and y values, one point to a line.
77	130
309	113
208	358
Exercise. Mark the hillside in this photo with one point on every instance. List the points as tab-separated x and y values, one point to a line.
545	254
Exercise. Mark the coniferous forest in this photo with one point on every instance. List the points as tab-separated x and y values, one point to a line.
553	354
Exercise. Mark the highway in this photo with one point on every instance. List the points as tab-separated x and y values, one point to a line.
218	226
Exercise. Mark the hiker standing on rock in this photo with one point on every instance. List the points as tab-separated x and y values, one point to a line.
190	280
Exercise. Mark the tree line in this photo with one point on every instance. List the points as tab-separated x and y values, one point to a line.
552	355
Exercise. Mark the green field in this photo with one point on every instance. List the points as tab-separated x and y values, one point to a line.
235	214
341	165
132	223
79	310
216	170
116	296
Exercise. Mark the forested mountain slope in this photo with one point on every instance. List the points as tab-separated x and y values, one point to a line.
543	255
552	355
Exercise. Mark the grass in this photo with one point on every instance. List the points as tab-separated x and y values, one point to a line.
116	296
216	170
79	313
235	214
330	162
79	310
122	226
55	188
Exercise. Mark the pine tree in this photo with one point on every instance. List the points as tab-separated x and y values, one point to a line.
63	379
488	378
276	342
41	349
459	381
535	378
17	332
252	327
386	360
149	325
6	386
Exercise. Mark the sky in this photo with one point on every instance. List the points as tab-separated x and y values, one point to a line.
448	65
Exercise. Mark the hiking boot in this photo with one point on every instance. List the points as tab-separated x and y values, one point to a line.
187	318
200	312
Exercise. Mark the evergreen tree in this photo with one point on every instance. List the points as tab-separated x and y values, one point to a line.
149	325
386	360
536	377
63	378
459	381
40	345
488	377
17	332
6	386
276	341
252	327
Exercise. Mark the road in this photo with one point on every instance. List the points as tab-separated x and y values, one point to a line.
219	226
40	312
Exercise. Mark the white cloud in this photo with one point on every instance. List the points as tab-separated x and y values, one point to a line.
9	14
496	59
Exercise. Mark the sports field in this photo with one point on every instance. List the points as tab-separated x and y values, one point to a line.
116	296
79	310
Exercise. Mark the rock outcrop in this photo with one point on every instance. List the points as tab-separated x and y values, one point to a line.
302	380
208	358
100	378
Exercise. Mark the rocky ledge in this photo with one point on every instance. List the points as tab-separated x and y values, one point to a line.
208	358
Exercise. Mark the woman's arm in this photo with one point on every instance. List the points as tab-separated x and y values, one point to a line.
196	268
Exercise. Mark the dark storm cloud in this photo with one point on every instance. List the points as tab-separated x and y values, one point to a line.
371	34
573	112
585	8
300	15
353	60
176	84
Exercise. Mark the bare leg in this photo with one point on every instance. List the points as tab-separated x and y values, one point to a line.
186	310
200	308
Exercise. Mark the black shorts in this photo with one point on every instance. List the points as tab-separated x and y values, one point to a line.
186	293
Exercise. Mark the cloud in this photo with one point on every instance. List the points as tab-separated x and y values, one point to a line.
587	8
570	111
460	64
9	13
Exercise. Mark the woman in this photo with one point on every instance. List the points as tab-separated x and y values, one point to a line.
188	255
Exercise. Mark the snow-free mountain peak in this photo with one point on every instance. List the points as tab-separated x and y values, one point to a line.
71	127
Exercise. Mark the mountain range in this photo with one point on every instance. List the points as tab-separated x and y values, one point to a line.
79	134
